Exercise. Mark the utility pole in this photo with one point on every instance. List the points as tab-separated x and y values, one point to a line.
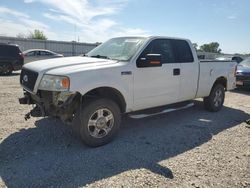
75	31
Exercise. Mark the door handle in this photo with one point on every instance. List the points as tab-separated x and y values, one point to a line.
176	72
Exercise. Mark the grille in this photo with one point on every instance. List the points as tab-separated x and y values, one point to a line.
28	78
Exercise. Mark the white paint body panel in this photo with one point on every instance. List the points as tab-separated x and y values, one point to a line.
154	86
210	71
145	87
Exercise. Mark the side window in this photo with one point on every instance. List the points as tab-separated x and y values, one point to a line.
38	53
160	46
48	53
43	53
183	53
32	53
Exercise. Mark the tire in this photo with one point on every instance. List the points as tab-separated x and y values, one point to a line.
215	100
5	69
97	122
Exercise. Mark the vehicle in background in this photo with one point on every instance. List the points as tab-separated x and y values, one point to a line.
11	58
201	57
39	54
243	74
122	75
237	59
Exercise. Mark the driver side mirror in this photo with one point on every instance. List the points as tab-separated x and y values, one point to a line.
151	60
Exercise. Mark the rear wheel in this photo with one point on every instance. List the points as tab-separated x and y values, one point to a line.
5	69
215	100
97	122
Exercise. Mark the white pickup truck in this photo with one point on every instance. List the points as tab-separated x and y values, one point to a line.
122	75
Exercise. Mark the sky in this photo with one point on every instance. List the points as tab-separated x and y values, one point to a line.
201	21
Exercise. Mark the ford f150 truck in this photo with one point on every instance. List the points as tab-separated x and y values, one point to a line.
122	75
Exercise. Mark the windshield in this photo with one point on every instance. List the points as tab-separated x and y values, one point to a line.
121	49
245	63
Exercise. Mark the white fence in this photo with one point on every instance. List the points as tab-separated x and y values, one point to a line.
65	48
209	55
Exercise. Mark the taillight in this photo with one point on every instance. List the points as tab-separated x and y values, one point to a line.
21	54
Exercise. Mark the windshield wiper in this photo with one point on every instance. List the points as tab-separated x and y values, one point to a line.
100	56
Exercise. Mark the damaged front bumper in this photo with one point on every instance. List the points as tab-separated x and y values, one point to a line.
51	103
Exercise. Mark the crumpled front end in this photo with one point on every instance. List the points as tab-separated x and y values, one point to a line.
51	103
55	102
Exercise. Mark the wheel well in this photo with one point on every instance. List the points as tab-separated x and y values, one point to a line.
222	81
110	93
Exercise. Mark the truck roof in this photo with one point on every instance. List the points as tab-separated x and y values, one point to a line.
177	38
153	37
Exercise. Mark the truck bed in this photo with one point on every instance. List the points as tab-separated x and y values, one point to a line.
211	70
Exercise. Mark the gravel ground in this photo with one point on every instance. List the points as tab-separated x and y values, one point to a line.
187	148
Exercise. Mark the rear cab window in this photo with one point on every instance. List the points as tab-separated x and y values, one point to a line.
182	50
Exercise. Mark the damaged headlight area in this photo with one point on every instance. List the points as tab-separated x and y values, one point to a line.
54	83
60	104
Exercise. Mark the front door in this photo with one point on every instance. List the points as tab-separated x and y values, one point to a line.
156	86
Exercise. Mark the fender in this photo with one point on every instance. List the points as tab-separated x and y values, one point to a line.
105	79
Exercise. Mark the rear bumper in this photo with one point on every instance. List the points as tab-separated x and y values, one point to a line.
245	85
243	81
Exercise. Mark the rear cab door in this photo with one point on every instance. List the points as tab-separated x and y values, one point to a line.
185	54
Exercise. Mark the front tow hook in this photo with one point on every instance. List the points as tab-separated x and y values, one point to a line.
38	111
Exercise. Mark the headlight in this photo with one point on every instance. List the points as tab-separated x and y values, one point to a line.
54	83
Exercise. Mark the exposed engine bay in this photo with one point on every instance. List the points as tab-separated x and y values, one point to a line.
60	104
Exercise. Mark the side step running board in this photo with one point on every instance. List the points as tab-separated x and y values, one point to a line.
139	116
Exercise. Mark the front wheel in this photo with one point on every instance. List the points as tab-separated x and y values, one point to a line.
215	100
97	122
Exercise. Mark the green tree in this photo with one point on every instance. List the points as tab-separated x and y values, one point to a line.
211	47
37	34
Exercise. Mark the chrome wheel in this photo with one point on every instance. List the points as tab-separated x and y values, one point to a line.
214	102
218	98
100	123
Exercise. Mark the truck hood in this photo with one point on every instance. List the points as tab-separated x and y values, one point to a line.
70	63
